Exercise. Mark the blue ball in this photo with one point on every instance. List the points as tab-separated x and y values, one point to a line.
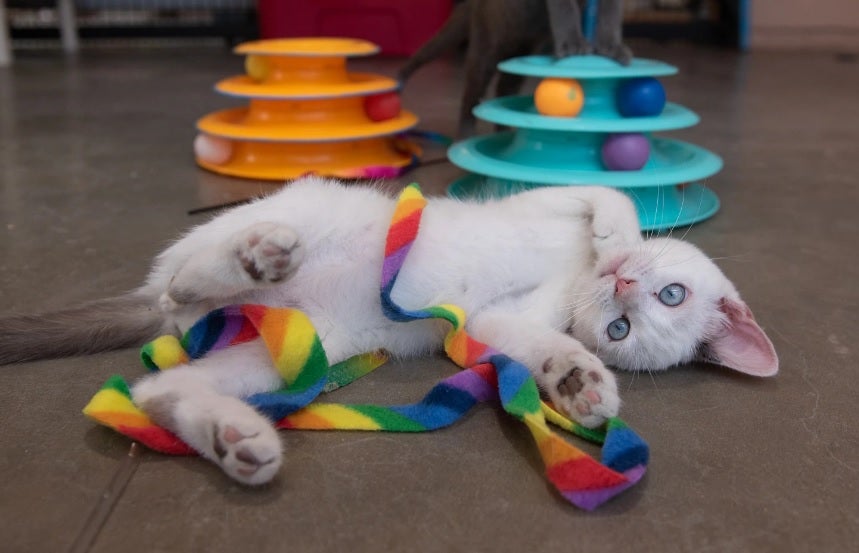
640	97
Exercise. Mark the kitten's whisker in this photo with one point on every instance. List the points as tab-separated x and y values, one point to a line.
578	305
679	213
730	257
579	295
667	242
573	316
599	334
698	210
578	299
687	260
640	207
660	198
674	226
662	251
655	386
576	312
652	231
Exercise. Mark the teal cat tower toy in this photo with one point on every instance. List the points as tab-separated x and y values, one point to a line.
591	121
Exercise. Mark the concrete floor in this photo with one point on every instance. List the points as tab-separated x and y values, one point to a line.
96	176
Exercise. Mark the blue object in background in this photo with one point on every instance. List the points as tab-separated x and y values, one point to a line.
744	13
541	150
640	97
589	19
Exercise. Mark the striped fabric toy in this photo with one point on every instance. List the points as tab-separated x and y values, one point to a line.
298	355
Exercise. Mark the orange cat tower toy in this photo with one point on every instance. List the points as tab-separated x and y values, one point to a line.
307	114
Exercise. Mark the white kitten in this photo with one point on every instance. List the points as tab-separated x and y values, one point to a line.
558	278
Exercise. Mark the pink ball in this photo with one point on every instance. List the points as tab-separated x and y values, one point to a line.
213	149
625	152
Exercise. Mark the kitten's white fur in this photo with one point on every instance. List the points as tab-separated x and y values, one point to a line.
537	275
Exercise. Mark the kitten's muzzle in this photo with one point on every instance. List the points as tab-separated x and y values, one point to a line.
622	285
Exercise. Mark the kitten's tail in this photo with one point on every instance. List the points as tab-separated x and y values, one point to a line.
452	34
102	325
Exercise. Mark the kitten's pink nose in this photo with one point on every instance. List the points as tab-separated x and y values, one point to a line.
622	285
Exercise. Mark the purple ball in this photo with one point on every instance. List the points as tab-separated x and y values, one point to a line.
625	152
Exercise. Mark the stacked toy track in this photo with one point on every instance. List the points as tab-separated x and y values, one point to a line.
591	121
306	113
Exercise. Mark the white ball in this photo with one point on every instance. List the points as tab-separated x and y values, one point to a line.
213	149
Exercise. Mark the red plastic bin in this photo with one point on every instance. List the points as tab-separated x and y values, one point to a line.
399	27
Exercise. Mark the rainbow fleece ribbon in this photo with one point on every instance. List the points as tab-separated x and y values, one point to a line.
299	358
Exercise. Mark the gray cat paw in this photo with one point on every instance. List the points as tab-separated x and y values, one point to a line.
268	253
617	51
572	48
580	386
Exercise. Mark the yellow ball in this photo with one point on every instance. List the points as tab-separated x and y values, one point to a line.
559	97
256	67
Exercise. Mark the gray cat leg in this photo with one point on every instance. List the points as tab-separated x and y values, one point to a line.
479	68
609	34
454	33
508	84
565	20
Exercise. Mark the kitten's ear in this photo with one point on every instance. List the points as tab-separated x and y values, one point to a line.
742	345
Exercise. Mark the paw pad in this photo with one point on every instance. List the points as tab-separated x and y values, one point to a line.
579	385
247	450
268	252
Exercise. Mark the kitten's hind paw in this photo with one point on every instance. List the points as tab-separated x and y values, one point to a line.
268	253
581	387
247	449
167	304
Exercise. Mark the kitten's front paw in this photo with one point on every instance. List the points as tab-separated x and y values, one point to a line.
614	224
581	387
268	253
247	449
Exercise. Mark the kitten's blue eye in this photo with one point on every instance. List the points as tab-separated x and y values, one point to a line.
618	329
672	295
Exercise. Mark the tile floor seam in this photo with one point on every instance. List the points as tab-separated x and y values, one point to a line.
107	501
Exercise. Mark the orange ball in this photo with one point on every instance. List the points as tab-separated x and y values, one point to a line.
559	97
